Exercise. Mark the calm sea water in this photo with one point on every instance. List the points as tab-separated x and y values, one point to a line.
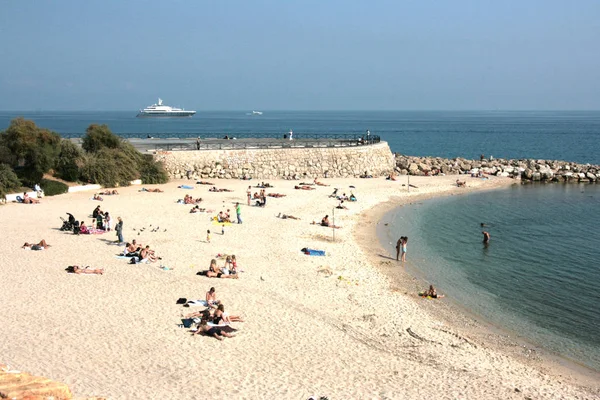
539	275
572	136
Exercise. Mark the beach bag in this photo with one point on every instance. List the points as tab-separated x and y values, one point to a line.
181	300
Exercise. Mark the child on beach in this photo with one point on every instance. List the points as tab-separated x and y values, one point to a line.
208	235
223	229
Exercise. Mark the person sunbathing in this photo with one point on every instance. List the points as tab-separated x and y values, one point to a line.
461	184
97	197
109	192
214	331
221	317
325	222
29	200
86	270
36	246
319	183
305	184
204	183
156	190
285	216
342	206
431	292
215	272
197	209
276	195
148	255
391	177
83	229
132	249
211	298
304	187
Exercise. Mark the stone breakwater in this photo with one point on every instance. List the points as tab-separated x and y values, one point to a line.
526	170
289	163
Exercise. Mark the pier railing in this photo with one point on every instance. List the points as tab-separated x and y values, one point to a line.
235	143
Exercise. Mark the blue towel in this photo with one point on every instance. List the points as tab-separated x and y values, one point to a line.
311	252
186	187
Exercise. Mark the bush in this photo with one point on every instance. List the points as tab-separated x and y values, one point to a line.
109	168
34	150
152	172
98	137
52	188
69	161
9	182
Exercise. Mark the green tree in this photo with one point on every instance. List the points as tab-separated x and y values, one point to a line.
98	137
9	182
70	159
34	150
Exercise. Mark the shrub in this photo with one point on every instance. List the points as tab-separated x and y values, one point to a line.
69	161
109	168
9	182
152	172
34	150
98	137
52	188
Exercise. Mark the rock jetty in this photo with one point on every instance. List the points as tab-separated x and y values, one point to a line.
527	170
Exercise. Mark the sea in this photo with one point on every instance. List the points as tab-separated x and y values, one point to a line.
539	277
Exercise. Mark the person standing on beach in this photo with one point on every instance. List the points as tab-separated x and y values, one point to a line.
119	229
208	236
486	237
249	194
399	245
403	249
238	212
198	143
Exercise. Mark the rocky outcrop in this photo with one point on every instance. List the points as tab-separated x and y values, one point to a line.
526	170
288	163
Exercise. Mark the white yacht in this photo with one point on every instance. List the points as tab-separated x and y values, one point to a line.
256	112
160	110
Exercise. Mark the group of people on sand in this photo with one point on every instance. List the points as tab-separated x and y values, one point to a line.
108	192
261	198
188	199
228	270
139	253
214	321
264	185
102	220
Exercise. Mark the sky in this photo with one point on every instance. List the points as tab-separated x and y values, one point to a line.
300	55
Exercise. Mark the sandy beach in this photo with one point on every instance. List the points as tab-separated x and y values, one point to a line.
343	326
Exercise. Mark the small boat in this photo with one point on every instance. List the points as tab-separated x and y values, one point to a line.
256	112
160	110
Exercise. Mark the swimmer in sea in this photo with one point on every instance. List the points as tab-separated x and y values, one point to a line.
486	237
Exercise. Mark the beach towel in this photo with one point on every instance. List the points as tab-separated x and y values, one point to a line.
186	187
220	223
186	323
197	303
311	252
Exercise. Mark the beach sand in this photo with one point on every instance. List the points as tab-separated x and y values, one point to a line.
338	326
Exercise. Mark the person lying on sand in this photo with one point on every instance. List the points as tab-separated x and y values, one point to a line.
97	197
29	200
156	190
197	209
214	189
276	195
391	177
109	192
285	216
204	183
86	270
33	246
188	199
304	187
342	206
319	183
305	184
214	331
461	184
264	185
431	292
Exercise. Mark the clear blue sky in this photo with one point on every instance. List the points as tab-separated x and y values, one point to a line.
300	55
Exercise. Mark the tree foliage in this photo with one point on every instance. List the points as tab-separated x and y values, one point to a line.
9	182
70	159
33	150
98	137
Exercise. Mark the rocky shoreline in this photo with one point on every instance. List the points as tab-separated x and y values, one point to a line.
528	170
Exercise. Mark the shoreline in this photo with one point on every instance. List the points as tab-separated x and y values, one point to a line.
458	316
